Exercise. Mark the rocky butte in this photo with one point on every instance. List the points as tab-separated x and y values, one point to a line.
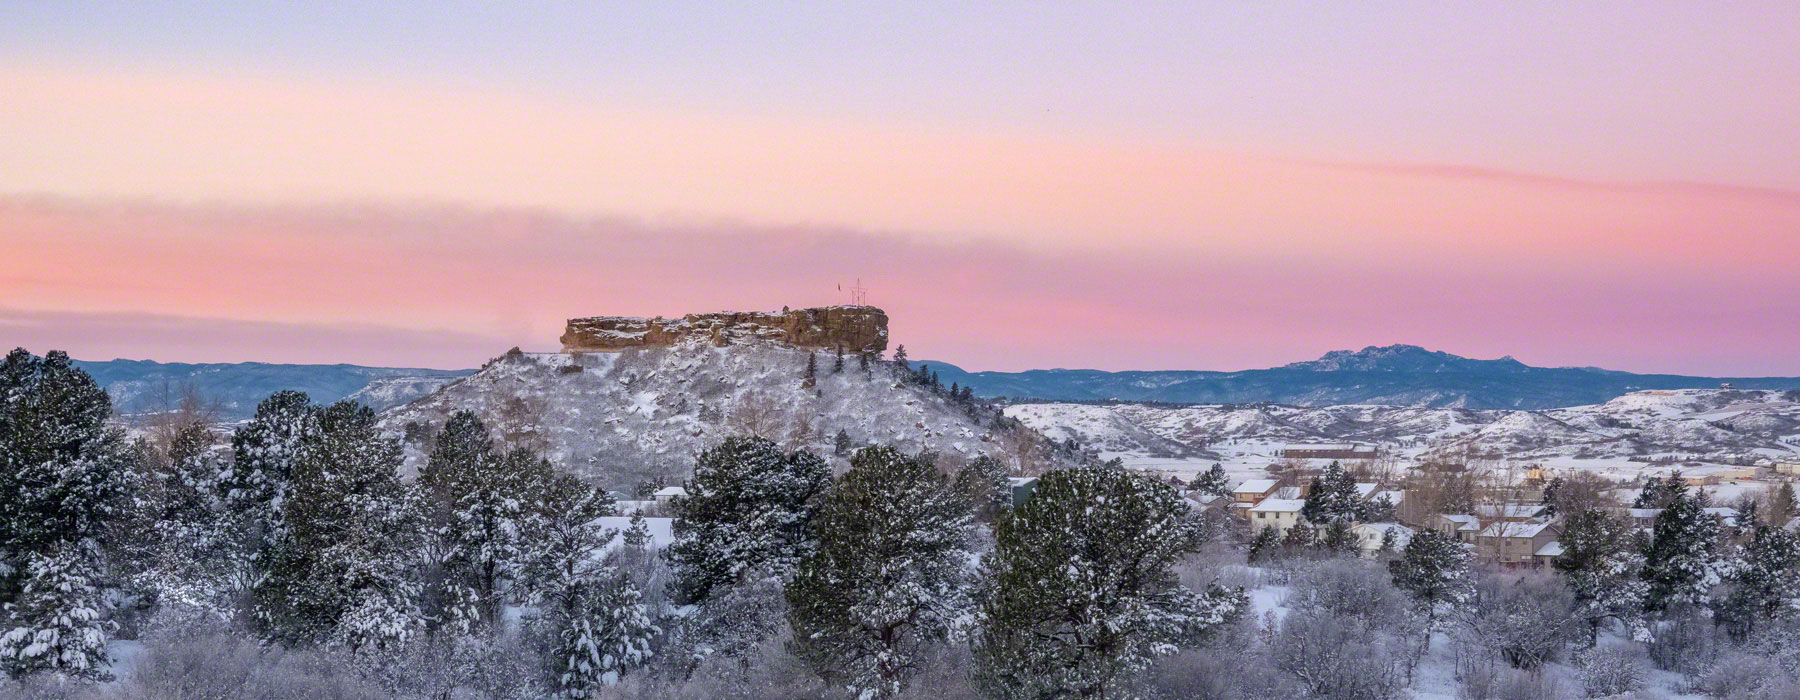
853	328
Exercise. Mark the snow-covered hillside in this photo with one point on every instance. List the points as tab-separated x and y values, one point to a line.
621	418
1682	424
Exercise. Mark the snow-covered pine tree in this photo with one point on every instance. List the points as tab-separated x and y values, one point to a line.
1434	569
1762	581
810	377
1263	544
637	534
900	359
840	443
984	482
1078	594
748	506
592	620
1682	564
193	567
1332	497
476	504
1659	493
63	478
1602	566
264	451
1335	537
1552	491
55	624
837	364
344	570
888	575
1212	481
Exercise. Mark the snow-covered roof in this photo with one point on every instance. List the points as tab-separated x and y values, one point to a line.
1509	510
1365	489
1384	528
1394	497
670	491
1643	513
1279	505
1503	529
1017	481
1463	522
1552	548
1202	498
1255	486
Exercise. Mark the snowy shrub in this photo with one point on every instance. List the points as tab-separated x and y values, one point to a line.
1686	642
1484	676
1609	671
1747	676
226	666
1226	671
1340	659
1525	620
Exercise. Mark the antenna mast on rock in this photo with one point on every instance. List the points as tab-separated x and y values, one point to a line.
859	295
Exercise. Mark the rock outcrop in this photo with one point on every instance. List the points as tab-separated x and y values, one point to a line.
853	328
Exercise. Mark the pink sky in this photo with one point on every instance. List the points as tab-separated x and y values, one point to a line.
1560	209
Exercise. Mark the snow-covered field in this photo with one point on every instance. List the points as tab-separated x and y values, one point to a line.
1695	430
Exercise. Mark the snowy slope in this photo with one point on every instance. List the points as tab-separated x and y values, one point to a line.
621	418
1687	423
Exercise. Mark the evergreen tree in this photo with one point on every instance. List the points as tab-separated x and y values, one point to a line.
888	574
1263	544
637	534
475	500
1602	567
1551	491
343	570
748	505
984	482
63	479
840	443
1763	581
55	625
811	377
1078	593
837	363
1682	564
1213	481
191	563
264	451
592	620
900	359
1434	569
1659	493
62	470
1332	498
862	359
1336	537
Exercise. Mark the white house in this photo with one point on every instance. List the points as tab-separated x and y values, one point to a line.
1370	535
669	493
1279	513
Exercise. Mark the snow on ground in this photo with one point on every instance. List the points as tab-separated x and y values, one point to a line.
662	532
1698	431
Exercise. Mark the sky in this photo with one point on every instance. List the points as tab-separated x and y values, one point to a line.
1020	185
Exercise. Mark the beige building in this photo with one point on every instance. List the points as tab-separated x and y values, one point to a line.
1279	513
1513	543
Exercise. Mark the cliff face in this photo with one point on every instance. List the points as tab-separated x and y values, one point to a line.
853	328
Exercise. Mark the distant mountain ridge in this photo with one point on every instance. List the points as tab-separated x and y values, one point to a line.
141	386
1400	375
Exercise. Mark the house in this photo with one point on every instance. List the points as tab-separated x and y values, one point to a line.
1365	490
1788	468
1254	490
1514	543
1547	554
1279	513
1021	487
1512	512
1349	450
1460	526
668	494
1369	536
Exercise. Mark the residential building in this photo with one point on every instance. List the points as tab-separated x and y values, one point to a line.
1279	513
